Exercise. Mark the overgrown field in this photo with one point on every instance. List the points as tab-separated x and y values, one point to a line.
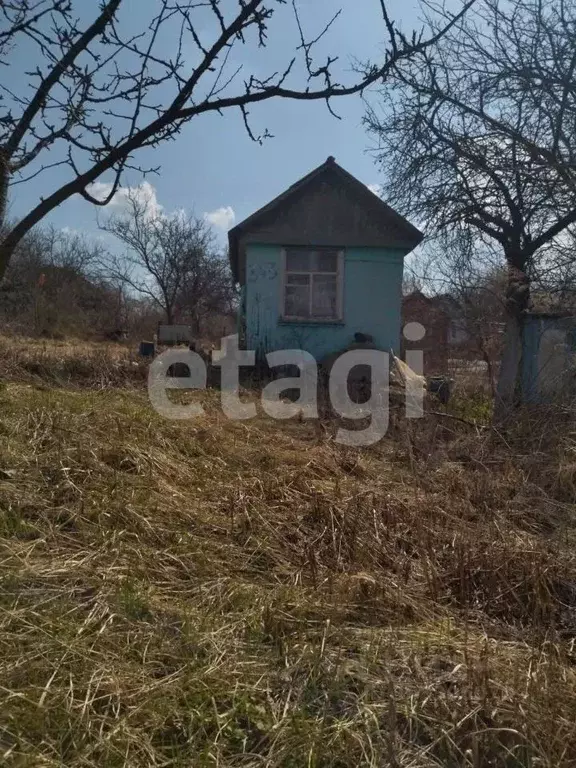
212	593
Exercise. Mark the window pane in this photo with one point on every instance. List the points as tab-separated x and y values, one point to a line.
324	296
297	301
325	261
298	261
295	279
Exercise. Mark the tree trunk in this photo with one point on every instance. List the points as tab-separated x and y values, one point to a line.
509	390
6	251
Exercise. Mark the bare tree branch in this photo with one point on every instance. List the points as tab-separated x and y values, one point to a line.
479	134
169	259
99	94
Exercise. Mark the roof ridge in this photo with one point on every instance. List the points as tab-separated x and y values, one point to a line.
413	235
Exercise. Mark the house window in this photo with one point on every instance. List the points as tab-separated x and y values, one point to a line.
312	285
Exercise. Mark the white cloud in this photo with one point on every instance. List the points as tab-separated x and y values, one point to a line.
376	188
222	218
144	194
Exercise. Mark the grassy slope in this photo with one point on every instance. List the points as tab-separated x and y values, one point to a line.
216	593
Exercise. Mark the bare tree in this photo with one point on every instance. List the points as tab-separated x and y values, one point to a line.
472	278
208	290
169	259
479	135
464	283
96	93
51	287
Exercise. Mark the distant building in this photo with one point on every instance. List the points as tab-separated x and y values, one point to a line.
444	324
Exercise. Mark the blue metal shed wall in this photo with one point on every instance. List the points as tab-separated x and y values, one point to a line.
549	347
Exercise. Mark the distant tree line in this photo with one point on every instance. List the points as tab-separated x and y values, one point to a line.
166	269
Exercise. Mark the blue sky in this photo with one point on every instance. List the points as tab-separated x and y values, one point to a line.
213	167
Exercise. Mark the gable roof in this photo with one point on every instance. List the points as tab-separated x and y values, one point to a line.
390	228
416	295
441	302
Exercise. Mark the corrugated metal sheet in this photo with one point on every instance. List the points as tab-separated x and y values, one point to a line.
549	358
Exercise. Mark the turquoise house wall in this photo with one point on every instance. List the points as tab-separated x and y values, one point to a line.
372	295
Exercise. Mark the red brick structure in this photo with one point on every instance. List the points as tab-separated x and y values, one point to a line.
430	312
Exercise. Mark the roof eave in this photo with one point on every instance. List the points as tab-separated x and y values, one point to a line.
413	235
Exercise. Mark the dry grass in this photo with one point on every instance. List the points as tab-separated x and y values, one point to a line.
71	363
252	594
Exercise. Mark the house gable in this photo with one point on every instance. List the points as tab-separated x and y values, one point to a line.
328	207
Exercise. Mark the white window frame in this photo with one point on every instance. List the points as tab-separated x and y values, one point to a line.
339	287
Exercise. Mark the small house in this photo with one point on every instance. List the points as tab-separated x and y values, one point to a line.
320	266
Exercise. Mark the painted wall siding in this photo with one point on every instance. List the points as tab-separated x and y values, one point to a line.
371	303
